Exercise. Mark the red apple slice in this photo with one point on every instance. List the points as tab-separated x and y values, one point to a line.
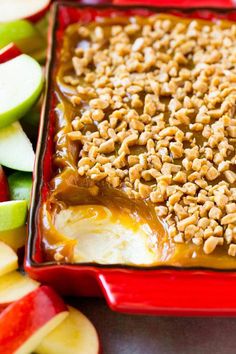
76	334
27	321
8	259
4	190
14	286
9	52
32	10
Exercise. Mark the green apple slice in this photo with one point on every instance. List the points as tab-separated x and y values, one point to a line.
20	184
16	31
16	150
26	36
12	214
21	82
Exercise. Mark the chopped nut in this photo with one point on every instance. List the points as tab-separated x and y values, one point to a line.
154	114
135	172
180	177
228	219
197	241
221	200
98	115
215	213
230	176
79	65
176	150
232	250
230	208
75	100
232	131
211	243
98	103
203	223
174	198
218	231
156	197
212	173
179	238
180	211
138	44
190	231
161	210
223	166
144	190
107	147
185	222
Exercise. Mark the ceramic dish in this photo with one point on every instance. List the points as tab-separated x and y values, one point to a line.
126	288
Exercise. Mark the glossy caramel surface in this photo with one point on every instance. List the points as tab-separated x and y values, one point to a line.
68	188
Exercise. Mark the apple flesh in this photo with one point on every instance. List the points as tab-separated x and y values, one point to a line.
16	150
22	79
12	214
9	52
13	286
16	31
20	185
76	334
14	238
8	259
24	323
26	36
4	189
30	9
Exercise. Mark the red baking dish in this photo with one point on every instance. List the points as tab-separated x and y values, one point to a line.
165	291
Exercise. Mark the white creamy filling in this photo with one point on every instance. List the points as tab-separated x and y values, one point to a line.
105	239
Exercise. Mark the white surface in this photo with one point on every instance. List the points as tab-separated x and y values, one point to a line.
105	239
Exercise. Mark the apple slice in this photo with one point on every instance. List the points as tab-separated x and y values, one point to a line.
12	214
30	9
21	82
17	31
14	238
76	334
4	189
27	38
14	286
20	184
8	259
16	150
27	321
9	52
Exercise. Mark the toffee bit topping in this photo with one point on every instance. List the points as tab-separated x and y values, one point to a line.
155	116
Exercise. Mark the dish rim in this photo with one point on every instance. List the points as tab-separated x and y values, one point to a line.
38	179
